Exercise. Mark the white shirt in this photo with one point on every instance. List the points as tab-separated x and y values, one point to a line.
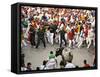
23	69
50	20
42	67
91	34
71	20
51	64
70	65
61	26
38	9
93	23
68	28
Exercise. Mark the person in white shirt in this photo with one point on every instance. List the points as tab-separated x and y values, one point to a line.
93	22
57	36
72	19
81	39
70	65
51	38
61	25
90	37
48	35
43	66
23	68
51	64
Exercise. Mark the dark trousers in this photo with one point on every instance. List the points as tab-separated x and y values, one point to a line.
62	38
32	39
38	42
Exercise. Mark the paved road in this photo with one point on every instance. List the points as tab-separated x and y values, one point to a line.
36	56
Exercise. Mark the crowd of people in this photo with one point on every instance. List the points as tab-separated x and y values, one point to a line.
57	25
67	27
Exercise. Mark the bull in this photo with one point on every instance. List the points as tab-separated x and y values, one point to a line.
65	54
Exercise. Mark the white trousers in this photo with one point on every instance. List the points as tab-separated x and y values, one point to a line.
80	42
77	37
51	38
89	41
23	43
66	36
48	36
71	41
57	38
